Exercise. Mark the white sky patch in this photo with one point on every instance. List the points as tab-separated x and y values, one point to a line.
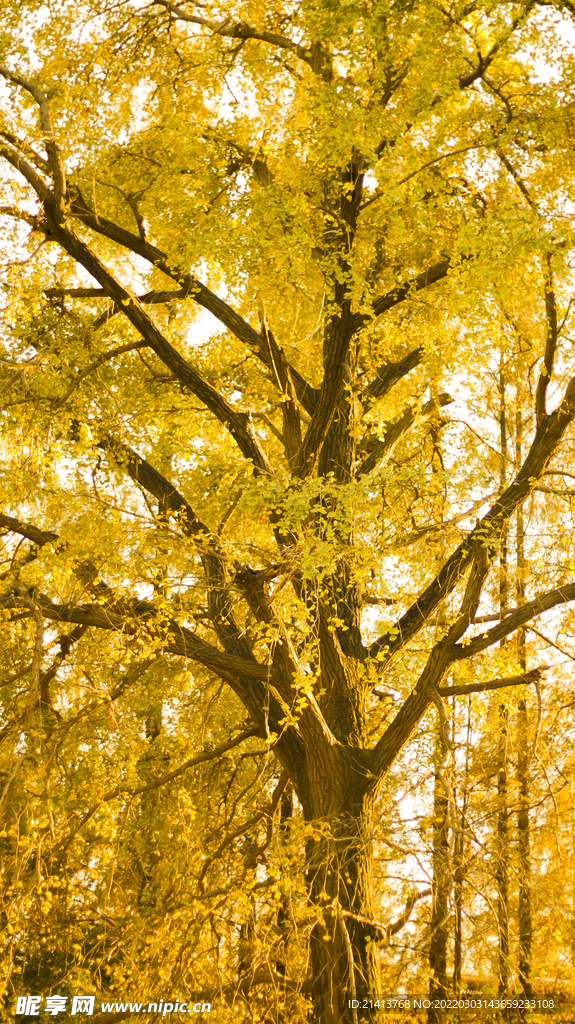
550	71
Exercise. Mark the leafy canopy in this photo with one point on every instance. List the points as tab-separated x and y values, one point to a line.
285	354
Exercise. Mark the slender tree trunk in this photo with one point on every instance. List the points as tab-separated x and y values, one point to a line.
572	885
524	849
441	887
523	824
286	1010
283	916
502	839
247	944
502	855
441	857
459	869
145	861
458	908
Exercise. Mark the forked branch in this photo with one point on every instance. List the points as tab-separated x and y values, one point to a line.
55	161
238	423
487	531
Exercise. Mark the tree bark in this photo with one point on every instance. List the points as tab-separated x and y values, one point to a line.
283	915
523	823
459	868
524	850
344	940
458	909
502	837
441	887
502	855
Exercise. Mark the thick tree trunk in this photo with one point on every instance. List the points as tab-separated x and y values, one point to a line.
344	940
343	945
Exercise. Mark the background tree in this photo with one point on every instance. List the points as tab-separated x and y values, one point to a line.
252	252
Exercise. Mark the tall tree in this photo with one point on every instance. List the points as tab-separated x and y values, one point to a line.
250	246
442	879
502	845
523	752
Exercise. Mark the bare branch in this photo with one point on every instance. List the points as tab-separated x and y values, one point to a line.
552	332
337	327
28	218
112	794
24	147
396	926
237	666
65	643
39	537
151	298
386	931
551	643
171	500
267	811
291	437
324	410
100	293
513	621
406	540
534	676
517	179
389	374
444	156
192	762
426	690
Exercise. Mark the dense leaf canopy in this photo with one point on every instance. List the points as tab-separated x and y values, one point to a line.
288	390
